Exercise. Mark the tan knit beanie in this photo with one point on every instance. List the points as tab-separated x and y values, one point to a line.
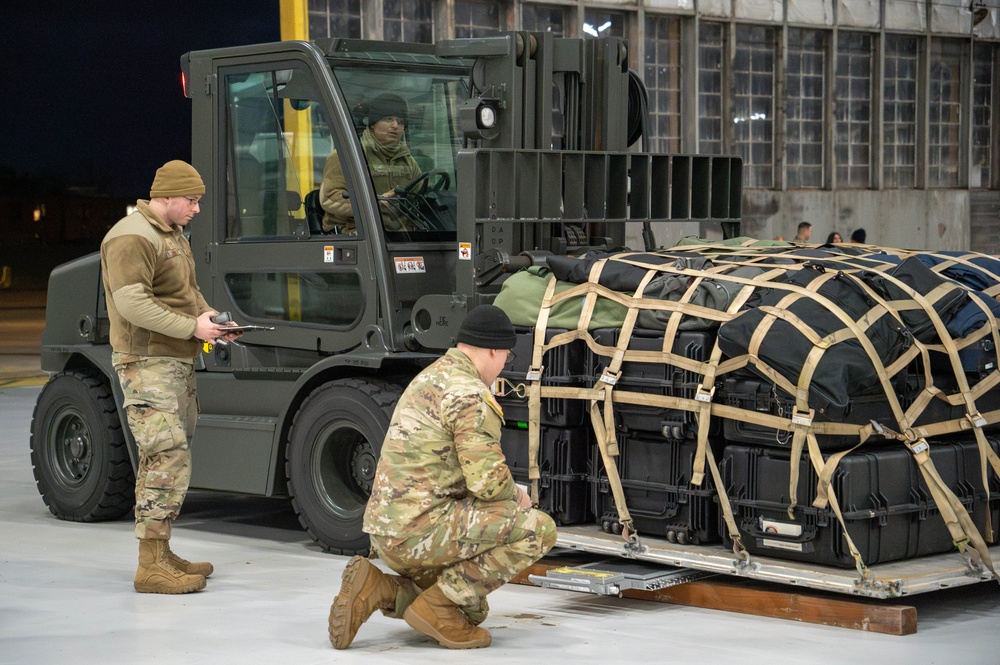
176	178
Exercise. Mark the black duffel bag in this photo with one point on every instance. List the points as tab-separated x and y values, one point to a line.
913	273
845	369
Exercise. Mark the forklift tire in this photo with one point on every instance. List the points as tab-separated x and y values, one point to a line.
330	460
78	451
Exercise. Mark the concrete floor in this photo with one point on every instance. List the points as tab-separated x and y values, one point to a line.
22	319
66	597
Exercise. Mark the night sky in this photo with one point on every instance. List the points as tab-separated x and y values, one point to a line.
91	90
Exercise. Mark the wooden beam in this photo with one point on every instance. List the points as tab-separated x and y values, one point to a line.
771	600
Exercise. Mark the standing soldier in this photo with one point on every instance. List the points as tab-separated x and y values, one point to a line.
444	511
157	316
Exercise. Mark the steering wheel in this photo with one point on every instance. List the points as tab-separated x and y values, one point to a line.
421	184
418	200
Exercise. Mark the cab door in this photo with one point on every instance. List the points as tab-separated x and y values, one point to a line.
271	263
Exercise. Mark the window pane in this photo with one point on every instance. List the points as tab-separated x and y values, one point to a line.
276	148
334	18
430	99
945	112
753	103
603	24
475	18
544	18
984	56
663	81
409	21
899	97
325	298
852	110
710	45
806	101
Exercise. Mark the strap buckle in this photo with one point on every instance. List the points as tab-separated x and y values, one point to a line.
977	420
534	373
803	419
609	378
703	394
503	387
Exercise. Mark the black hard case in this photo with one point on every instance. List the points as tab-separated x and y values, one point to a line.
656	478
886	505
563	459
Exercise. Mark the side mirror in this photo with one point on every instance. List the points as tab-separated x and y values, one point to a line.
293	200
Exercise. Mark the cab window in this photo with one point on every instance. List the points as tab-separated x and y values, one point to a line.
278	140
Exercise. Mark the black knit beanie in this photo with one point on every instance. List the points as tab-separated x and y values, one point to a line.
385	105
487	327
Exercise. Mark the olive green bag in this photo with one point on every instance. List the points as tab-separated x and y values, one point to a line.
521	297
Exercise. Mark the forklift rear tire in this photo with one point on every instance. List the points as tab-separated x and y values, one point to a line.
78	451
330	460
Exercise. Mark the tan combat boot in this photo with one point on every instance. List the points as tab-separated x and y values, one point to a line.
364	589
437	617
203	568
157	575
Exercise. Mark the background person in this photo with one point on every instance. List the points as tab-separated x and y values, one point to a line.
444	511
389	162
804	232
157	316
859	236
833	238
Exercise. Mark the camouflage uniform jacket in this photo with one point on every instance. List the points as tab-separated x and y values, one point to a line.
443	445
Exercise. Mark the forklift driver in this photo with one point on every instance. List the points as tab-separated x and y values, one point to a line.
389	161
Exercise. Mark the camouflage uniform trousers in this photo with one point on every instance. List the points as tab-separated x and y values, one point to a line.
474	549
162	408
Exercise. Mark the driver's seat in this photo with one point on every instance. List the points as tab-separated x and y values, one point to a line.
314	213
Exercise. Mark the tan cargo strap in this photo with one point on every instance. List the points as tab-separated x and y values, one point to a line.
611	468
706	393
742	556
534	378
817	462
605	430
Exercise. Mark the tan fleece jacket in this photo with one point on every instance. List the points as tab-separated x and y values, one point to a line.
149	281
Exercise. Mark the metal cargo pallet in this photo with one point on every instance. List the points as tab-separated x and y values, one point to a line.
889	580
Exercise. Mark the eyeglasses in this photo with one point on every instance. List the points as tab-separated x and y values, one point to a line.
192	200
511	357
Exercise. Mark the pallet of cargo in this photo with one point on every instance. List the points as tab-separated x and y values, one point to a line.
841	360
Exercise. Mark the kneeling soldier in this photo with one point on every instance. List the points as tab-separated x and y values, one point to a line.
444	512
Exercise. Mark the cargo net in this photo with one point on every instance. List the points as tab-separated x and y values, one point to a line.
855	343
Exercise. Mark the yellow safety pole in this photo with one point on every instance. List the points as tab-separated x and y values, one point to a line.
294	19
298	135
298	124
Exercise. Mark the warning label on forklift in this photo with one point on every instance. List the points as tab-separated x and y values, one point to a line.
409	264
465	251
328	254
